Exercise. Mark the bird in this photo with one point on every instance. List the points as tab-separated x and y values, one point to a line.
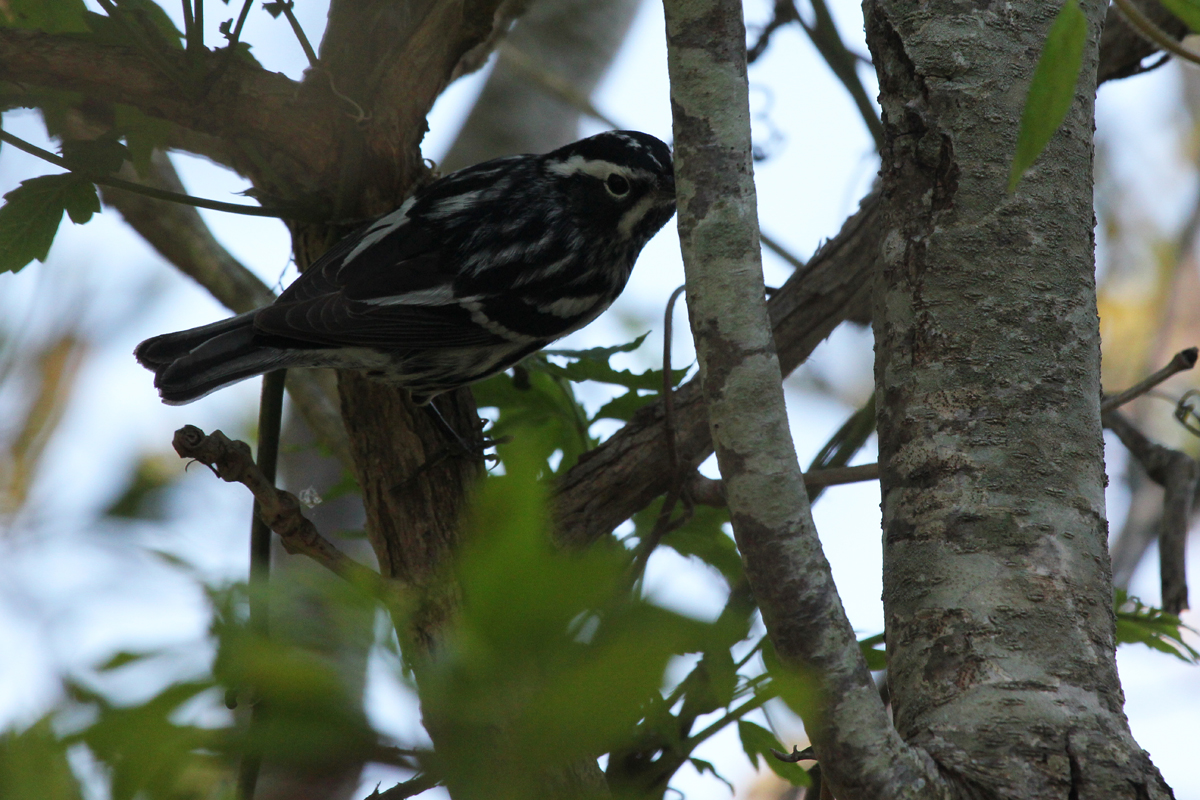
472	273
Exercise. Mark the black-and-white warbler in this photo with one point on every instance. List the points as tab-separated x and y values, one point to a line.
471	274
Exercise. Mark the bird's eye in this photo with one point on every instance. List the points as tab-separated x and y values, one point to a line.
617	185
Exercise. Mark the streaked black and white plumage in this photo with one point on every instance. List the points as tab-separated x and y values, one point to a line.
471	274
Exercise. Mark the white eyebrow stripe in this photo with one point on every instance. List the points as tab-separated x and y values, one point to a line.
589	166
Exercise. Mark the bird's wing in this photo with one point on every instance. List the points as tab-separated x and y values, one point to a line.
389	285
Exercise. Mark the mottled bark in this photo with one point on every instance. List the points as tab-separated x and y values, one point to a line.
860	753
997	592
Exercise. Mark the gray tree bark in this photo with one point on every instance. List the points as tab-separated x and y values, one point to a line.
997	589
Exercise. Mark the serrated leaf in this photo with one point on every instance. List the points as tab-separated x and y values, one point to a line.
1186	10
97	156
703	766
602	372
32	212
758	741
624	407
50	16
80	200
1141	624
1052	90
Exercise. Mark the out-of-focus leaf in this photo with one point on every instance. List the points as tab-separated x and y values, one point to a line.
1186	10
151	20
875	655
703	766
50	16
121	659
758	741
845	442
143	490
96	156
1153	627
790	684
33	764
550	657
703	536
1052	89
31	214
143	134
145	752
545	406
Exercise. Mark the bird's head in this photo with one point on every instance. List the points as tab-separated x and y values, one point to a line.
620	180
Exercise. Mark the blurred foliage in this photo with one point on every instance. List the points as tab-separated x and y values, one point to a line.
142	496
1141	624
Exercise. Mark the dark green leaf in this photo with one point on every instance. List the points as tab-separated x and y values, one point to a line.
875	655
625	406
33	764
1052	90
96	156
600	371
703	766
121	659
31	214
1186	10
50	16
758	741
703	536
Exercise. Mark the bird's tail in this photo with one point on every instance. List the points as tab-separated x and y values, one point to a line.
189	364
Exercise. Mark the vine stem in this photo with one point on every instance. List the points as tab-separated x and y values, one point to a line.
149	191
270	415
1156	35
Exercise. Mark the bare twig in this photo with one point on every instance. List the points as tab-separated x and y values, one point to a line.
785	12
709	492
230	460
421	782
553	84
779	250
1183	361
150	191
1156	35
1177	473
663	525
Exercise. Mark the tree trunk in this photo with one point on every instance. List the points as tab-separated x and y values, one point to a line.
997	589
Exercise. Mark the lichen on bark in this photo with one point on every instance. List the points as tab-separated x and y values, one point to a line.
997	590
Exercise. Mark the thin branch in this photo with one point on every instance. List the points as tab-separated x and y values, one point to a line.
149	191
1183	361
709	492
270	414
1178	474
553	84
825	37
1156	35
785	12
663	525
421	782
230	460
287	7
236	36
779	250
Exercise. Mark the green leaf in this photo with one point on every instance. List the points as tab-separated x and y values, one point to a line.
703	536
1186	10
875	656
31	213
703	766
1052	90
50	16
1153	627
758	741
625	406
96	156
602	372
33	764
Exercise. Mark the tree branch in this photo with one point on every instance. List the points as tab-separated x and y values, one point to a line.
625	473
863	754
230	460
245	102
1177	473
